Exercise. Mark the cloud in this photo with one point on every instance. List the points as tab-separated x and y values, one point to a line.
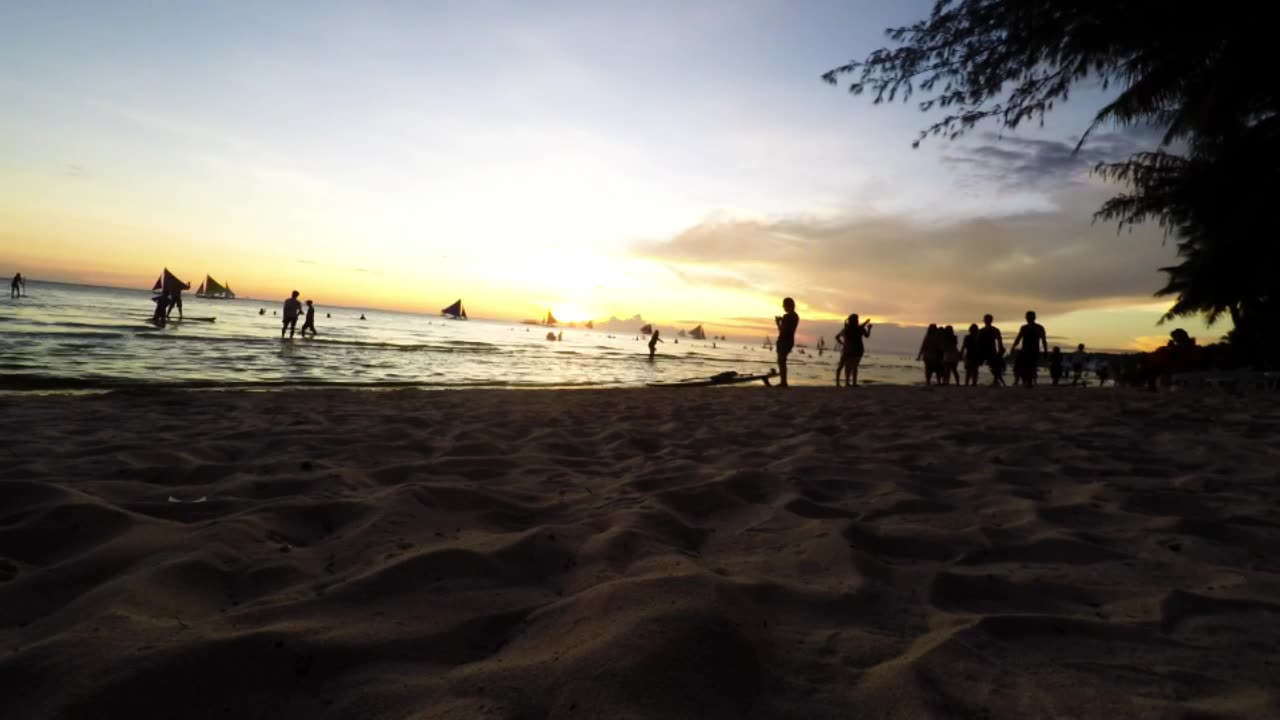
1021	162
893	266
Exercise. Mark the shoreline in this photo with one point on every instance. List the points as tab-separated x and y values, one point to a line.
818	553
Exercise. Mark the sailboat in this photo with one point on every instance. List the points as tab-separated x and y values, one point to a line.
698	333
455	311
168	282
211	289
551	319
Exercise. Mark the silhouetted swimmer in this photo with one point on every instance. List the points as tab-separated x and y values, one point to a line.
653	343
950	356
262	311
931	354
310	322
991	349
1055	364
971	354
327	316
362	317
1032	337
17	286
1078	359
787	324
851	349
291	309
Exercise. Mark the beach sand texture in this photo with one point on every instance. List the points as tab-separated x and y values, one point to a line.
885	552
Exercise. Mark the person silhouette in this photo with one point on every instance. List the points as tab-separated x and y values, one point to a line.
1078	359
291	309
17	286
310	322
991	349
787	324
653	343
851	349
1055	364
950	356
971	354
1032	337
931	354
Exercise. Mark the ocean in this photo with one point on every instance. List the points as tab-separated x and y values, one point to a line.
73	337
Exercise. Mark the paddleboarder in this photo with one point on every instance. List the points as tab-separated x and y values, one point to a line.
17	286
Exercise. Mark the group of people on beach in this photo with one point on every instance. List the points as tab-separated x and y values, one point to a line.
942	353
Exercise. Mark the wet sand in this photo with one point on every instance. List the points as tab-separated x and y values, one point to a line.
884	552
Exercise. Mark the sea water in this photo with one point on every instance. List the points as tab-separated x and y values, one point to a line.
68	337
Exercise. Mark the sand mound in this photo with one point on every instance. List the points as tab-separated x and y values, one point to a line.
884	553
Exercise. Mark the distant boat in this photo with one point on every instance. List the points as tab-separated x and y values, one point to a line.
551	319
768	343
698	333
646	330
211	289
455	311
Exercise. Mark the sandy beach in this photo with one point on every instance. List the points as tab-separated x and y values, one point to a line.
884	552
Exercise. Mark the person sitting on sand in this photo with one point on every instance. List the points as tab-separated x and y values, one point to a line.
17	286
310	322
1055	364
971	354
291	309
950	356
850	341
653	343
1031	336
787	324
991	349
931	354
1078	359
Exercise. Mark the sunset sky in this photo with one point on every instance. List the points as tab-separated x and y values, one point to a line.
679	160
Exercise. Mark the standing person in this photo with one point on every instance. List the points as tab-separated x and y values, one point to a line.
291	309
1032	337
850	342
991	349
653	343
1078	359
787	324
175	301
971	353
931	353
17	286
310	322
1055	364
950	356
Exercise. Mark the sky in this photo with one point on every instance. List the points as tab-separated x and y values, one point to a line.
679	161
